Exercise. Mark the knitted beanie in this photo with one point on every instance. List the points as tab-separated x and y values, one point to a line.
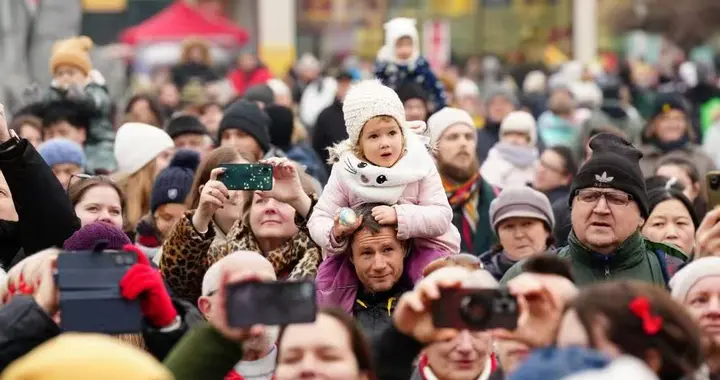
668	102
687	277
520	122
282	123
73	51
62	151
249	118
136	144
185	125
85	238
260	93
501	92
614	164
521	202
103	357
173	184
366	100
446	118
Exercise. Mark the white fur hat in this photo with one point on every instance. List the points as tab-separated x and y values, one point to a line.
446	118
400	27
687	277
136	144
521	122
368	99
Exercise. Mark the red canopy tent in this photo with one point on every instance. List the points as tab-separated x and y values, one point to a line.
179	21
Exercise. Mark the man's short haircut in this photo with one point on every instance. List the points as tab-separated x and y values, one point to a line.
364	211
548	263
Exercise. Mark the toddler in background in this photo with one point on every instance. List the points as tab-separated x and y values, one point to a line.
399	61
385	161
511	161
75	80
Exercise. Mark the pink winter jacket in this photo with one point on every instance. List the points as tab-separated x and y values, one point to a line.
423	213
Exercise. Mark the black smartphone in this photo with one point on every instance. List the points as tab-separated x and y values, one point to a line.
270	303
247	176
713	188
475	309
90	299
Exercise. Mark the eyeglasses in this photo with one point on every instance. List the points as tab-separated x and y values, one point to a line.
613	198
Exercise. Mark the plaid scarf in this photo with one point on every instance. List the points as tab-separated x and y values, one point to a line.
467	196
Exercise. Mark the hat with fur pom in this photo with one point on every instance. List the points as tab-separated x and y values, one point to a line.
73	51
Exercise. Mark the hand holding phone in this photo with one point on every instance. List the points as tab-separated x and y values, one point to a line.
247	177
476	309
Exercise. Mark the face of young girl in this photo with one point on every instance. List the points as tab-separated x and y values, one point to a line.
404	47
513	138
381	141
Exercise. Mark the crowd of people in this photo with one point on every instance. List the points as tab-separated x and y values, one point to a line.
581	194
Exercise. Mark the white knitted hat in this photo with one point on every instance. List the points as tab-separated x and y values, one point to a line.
368	99
466	87
136	144
446	118
687	277
521	122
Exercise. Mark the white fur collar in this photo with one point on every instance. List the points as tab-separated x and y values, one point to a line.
385	185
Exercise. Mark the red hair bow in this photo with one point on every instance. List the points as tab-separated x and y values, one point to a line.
640	306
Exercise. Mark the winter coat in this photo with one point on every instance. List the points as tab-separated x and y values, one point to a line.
24	326
496	262
100	134
317	95
337	282
414	188
487	137
308	158
558	194
27	35
508	166
652	156
187	254
635	259
554	130
203	354
46	217
242	80
183	73
329	130
394	75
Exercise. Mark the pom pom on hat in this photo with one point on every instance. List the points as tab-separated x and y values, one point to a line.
62	151
174	183
85	238
366	100
72	51
136	144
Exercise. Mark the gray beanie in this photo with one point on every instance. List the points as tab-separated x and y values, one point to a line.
501	92
521	202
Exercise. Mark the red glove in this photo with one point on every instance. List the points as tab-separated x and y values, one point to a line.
144	282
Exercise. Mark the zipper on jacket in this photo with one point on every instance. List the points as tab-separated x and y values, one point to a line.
607	272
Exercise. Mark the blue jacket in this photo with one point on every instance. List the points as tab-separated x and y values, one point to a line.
394	75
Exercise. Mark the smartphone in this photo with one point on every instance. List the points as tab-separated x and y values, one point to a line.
270	303
713	188
90	299
247	176
475	309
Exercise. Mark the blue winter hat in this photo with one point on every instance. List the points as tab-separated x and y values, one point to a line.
558	363
62	151
174	183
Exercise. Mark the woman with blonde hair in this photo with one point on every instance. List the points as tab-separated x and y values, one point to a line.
141	152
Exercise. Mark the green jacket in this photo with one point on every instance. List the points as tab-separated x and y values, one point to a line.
203	353
636	259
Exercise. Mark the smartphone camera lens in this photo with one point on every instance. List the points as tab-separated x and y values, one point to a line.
715	182
505	305
474	310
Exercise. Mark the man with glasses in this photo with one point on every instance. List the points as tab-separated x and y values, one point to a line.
609	205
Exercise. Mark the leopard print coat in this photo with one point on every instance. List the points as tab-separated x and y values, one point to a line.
187	254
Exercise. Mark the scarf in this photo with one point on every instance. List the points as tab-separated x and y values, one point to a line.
518	156
467	196
669	146
376	184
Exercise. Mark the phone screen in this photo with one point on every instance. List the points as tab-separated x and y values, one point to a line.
247	176
713	188
271	303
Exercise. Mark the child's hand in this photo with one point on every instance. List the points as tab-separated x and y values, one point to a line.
342	231
385	215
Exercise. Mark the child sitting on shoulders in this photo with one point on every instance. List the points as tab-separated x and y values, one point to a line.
399	61
384	161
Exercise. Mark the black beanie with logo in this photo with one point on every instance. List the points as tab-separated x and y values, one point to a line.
614	164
